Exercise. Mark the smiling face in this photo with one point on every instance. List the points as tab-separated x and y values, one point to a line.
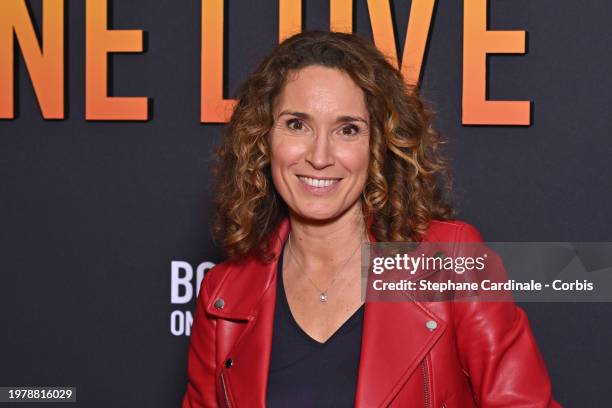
320	143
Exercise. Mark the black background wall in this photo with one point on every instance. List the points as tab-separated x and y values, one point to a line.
92	214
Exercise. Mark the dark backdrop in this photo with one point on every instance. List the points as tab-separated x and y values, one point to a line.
93	214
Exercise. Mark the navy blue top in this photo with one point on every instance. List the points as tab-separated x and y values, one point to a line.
307	373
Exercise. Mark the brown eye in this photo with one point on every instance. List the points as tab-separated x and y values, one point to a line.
350	130
295	124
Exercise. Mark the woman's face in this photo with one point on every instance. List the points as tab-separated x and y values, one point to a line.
320	143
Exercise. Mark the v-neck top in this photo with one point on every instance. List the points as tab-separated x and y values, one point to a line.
306	373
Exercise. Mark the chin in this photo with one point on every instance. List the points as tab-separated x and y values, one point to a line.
319	215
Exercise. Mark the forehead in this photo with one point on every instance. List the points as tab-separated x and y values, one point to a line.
321	90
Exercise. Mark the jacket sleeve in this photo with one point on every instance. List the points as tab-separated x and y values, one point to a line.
498	351
201	362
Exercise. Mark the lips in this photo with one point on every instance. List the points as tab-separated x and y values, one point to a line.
318	182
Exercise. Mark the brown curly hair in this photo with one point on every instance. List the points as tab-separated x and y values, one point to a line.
407	174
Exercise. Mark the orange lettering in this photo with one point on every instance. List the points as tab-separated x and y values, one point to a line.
100	41
478	42
213	109
417	33
45	63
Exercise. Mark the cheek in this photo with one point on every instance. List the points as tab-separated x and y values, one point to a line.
284	151
358	161
276	167
282	157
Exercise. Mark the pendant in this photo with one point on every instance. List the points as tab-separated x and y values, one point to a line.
323	297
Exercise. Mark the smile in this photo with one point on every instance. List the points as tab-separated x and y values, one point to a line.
318	182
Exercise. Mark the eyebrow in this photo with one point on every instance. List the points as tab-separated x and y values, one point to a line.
342	118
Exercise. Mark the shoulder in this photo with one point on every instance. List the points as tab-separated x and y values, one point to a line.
218	274
240	283
452	231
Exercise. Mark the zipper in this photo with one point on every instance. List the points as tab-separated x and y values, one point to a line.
426	392
225	394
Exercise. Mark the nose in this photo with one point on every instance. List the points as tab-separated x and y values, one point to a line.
320	151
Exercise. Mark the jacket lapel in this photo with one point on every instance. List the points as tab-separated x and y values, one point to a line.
395	334
250	304
395	340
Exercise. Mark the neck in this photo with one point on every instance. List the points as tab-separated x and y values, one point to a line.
330	242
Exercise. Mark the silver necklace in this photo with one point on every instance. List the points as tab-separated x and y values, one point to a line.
322	293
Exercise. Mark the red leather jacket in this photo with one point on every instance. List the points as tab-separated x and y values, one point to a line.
480	354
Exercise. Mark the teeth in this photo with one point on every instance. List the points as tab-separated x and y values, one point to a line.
317	182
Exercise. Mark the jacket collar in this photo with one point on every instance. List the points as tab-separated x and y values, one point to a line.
395	336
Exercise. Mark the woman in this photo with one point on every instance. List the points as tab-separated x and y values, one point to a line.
328	148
